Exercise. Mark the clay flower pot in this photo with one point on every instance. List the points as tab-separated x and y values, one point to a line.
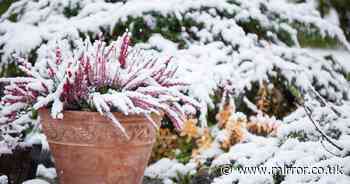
88	149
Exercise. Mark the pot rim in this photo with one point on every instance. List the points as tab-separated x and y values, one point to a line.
120	116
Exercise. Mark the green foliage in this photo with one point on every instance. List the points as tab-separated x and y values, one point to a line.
333	132
324	7
284	35
185	147
4	5
34	113
294	91
233	2
284	96
278	178
148	180
11	70
13	17
331	59
167	25
103	89
253	26
203	176
212	111
71	10
315	40
310	36
183	178
136	25
281	99
343	9
300	136
115	1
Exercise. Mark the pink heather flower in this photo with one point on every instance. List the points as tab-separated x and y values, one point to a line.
58	56
124	50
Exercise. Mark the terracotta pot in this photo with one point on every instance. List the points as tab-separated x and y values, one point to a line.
89	149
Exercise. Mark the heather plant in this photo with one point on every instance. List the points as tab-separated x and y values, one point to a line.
96	77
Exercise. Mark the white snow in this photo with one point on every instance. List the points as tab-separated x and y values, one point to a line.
49	173
166	168
3	179
341	56
36	181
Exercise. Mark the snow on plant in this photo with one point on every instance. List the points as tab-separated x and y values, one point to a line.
3	179
106	78
280	22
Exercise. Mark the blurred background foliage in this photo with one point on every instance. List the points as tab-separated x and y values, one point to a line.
170	27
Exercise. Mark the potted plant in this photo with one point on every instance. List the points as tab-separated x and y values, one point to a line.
100	106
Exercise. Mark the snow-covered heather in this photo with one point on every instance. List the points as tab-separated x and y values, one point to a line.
95	76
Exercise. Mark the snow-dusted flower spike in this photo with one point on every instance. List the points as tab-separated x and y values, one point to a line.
108	78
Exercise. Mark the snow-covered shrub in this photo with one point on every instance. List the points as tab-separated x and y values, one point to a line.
183	22
336	11
95	76
245	36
